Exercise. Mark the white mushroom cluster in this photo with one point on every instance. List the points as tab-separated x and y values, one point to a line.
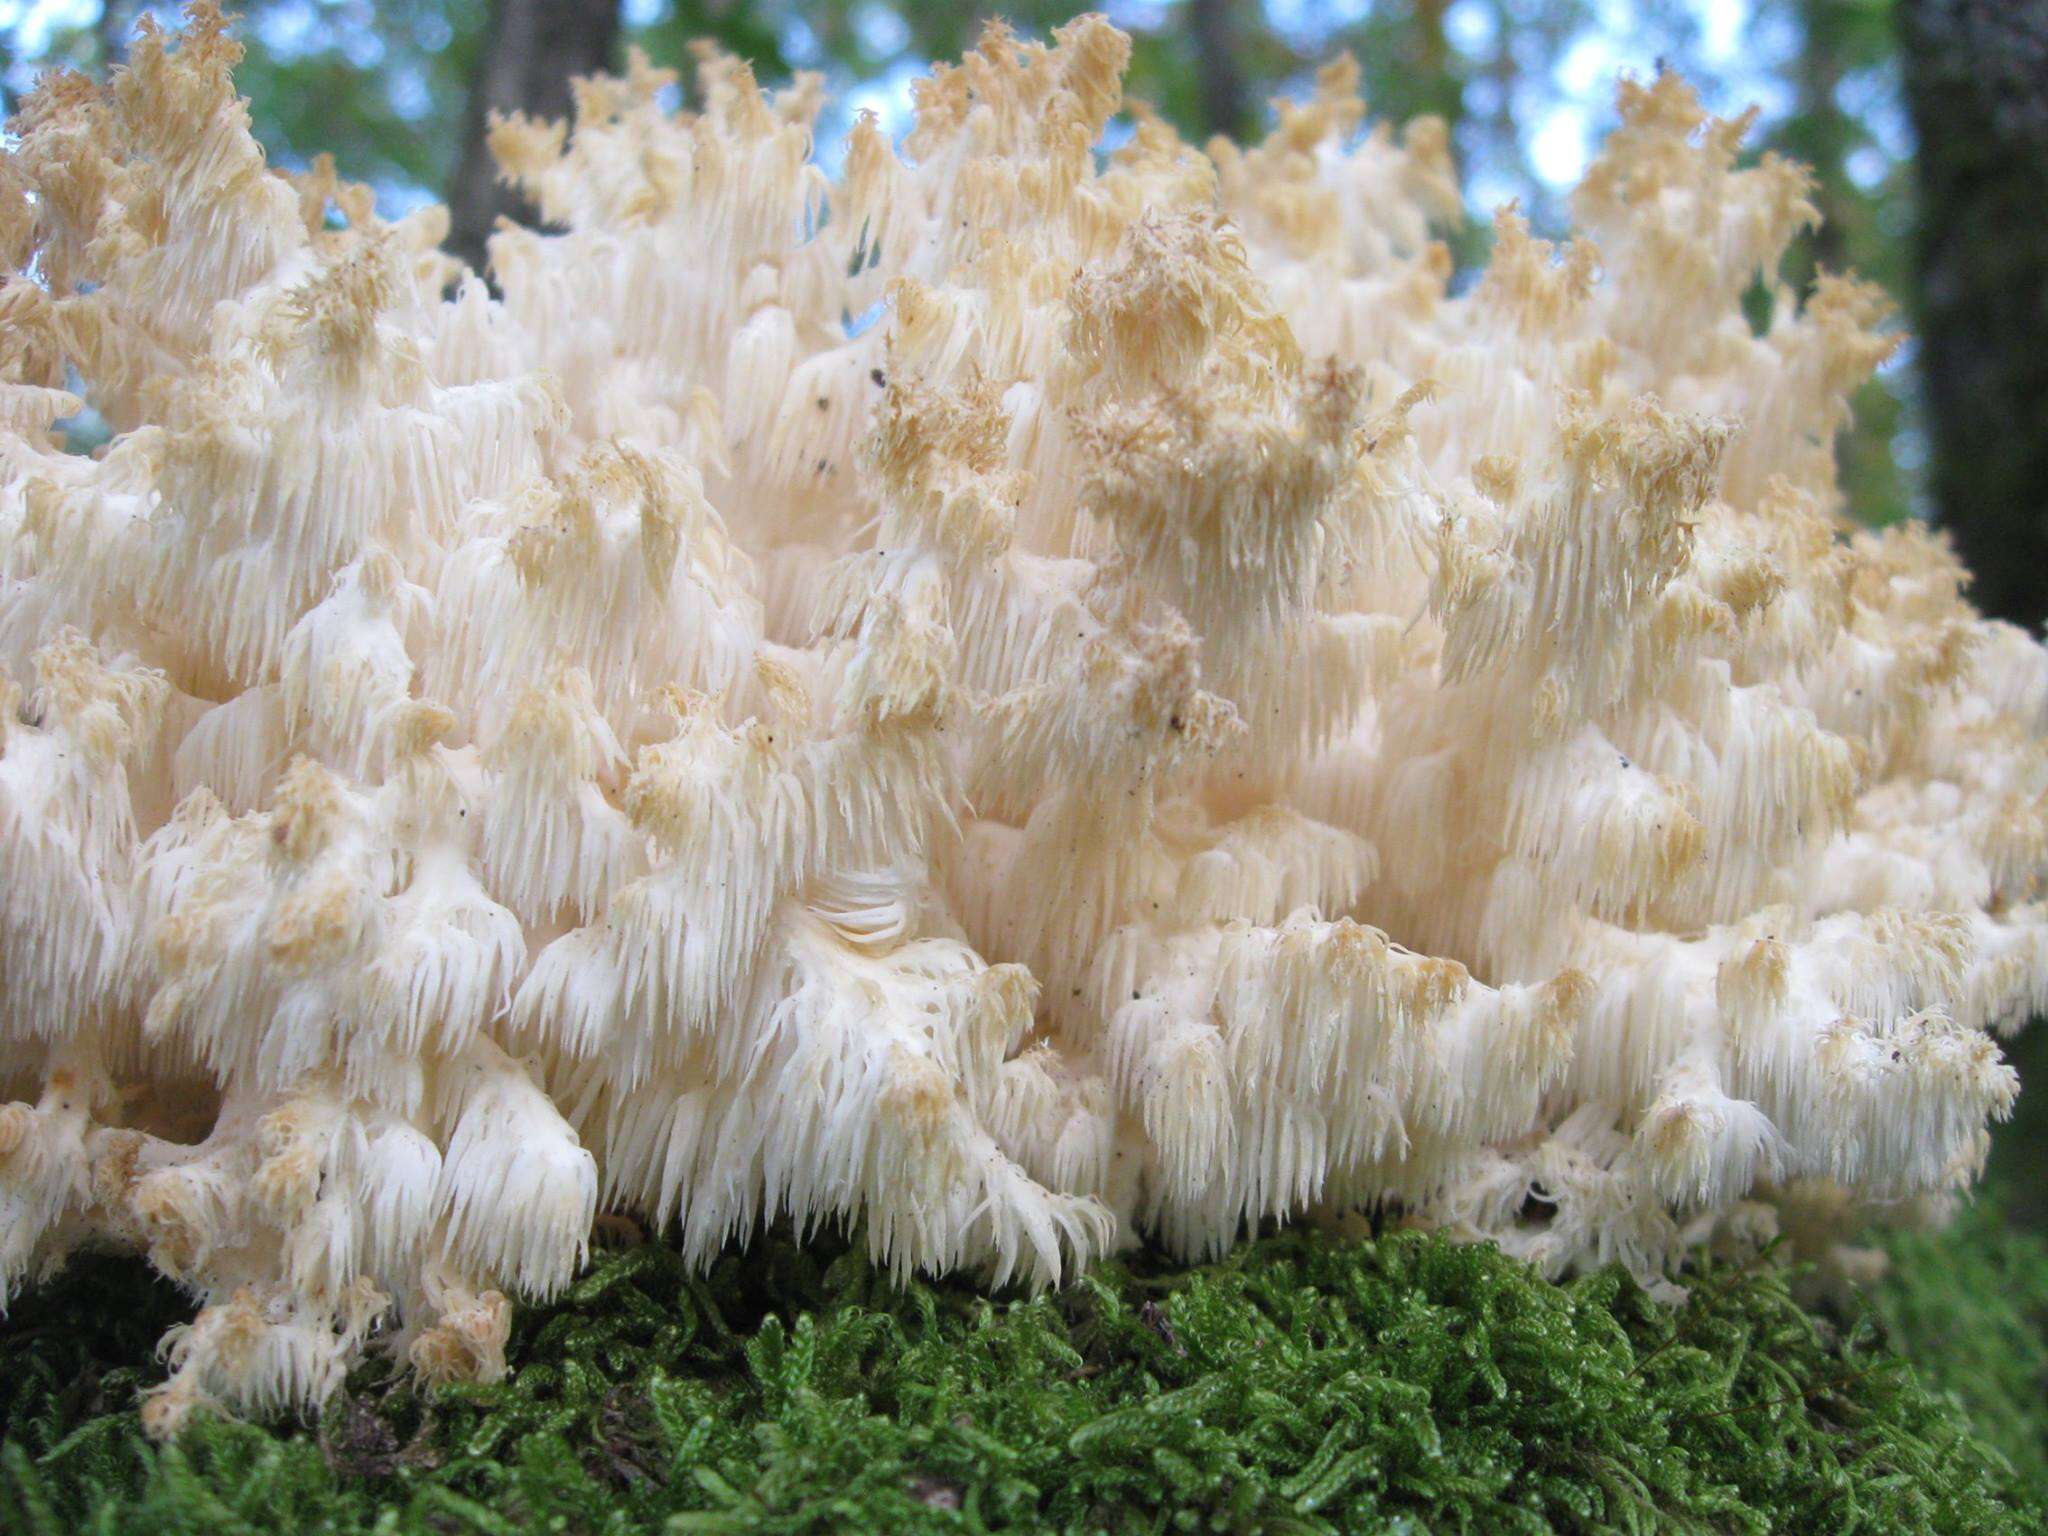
1020	698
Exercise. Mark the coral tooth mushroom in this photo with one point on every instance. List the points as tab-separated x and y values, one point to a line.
1182	721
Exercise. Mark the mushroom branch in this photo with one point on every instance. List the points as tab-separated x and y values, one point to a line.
1018	701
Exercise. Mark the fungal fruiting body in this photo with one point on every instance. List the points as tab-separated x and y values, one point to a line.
1019	699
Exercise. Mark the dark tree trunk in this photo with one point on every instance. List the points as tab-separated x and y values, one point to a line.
1977	82
1824	137
533	49
1226	109
117	20
1441	88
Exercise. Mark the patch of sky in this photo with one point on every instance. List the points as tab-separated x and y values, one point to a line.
1876	99
883	34
31	25
1561	147
432	31
396	199
406	88
362	48
1471	27
867	318
1309	25
799	42
1139	15
291	31
887	95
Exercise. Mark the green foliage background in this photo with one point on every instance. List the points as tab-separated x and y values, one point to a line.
382	85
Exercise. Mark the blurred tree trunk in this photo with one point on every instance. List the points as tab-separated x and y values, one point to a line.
531	52
1441	88
1225	107
1819	134
1977	81
117	19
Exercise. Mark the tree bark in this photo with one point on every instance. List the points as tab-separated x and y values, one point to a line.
1824	137
1442	87
117	20
1225	106
534	48
1977	83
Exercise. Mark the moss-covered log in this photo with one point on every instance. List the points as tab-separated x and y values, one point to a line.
1305	1385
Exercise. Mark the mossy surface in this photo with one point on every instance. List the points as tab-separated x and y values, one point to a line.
1969	1307
1399	1384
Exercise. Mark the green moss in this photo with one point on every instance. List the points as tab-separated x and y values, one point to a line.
1969	1307
1400	1384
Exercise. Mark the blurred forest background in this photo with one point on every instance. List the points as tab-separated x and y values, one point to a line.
1925	122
